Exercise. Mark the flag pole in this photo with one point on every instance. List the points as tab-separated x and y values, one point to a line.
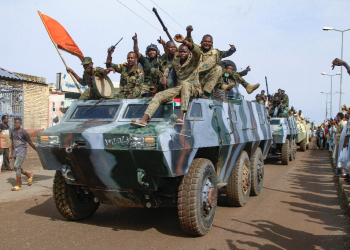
64	62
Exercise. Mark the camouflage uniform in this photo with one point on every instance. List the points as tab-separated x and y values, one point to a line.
262	100
232	75
164	62
286	101
131	81
210	70
188	82
152	76
275	105
89	93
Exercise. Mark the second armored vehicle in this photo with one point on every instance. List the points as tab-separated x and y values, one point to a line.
285	133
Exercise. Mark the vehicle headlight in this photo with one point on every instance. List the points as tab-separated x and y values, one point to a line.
138	141
49	139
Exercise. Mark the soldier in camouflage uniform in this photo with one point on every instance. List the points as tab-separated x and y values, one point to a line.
89	72
210	70
186	66
165	60
285	99
275	104
150	65
262	97
131	76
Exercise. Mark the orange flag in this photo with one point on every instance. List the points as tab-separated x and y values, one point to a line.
60	36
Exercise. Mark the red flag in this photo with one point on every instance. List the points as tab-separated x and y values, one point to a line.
60	36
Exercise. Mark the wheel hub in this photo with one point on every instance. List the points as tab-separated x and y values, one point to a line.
245	178
208	196
260	171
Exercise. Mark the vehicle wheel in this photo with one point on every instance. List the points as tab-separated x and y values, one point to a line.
295	149
257	165
197	198
291	150
71	204
303	145
238	188
285	152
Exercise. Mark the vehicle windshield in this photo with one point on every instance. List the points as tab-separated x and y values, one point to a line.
137	110
100	112
275	122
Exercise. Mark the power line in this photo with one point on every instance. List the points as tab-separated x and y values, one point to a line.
139	16
152	15
171	17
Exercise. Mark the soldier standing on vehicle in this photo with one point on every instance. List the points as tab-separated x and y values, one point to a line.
131	76
186	68
150	65
89	73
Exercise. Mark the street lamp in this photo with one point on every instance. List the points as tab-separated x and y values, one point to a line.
341	70
325	74
326	103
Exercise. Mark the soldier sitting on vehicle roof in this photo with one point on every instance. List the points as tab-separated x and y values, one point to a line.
150	65
275	107
186	68
257	98
88	77
131	76
231	77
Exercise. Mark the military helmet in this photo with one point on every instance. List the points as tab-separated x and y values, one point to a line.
152	47
86	60
226	63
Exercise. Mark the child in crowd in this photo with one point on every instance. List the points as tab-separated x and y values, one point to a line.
320	137
20	138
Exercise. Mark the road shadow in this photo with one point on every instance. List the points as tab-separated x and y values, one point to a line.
37	178
164	220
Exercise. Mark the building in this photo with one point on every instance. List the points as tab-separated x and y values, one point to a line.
24	96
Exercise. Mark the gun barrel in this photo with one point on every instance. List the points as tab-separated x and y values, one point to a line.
161	23
118	42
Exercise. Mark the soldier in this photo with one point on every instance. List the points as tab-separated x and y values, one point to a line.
166	60
285	98
89	72
257	98
186	68
293	110
279	92
131	76
276	104
231	77
262	97
210	70
150	65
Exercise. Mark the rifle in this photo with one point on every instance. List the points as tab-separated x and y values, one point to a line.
267	87
161	22
113	46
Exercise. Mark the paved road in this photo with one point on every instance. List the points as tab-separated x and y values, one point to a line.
297	209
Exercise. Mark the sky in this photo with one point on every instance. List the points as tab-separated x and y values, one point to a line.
282	40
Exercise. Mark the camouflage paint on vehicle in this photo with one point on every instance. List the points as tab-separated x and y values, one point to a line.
124	165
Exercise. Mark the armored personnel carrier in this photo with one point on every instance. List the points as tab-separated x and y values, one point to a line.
100	158
285	133
303	138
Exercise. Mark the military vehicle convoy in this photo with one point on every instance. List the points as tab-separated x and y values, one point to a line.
304	135
285	134
100	158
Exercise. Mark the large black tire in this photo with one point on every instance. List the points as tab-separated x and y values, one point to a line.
239	185
295	149
291	150
303	145
285	152
68	202
257	165
197	198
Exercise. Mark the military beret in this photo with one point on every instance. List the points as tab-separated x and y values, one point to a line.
86	60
